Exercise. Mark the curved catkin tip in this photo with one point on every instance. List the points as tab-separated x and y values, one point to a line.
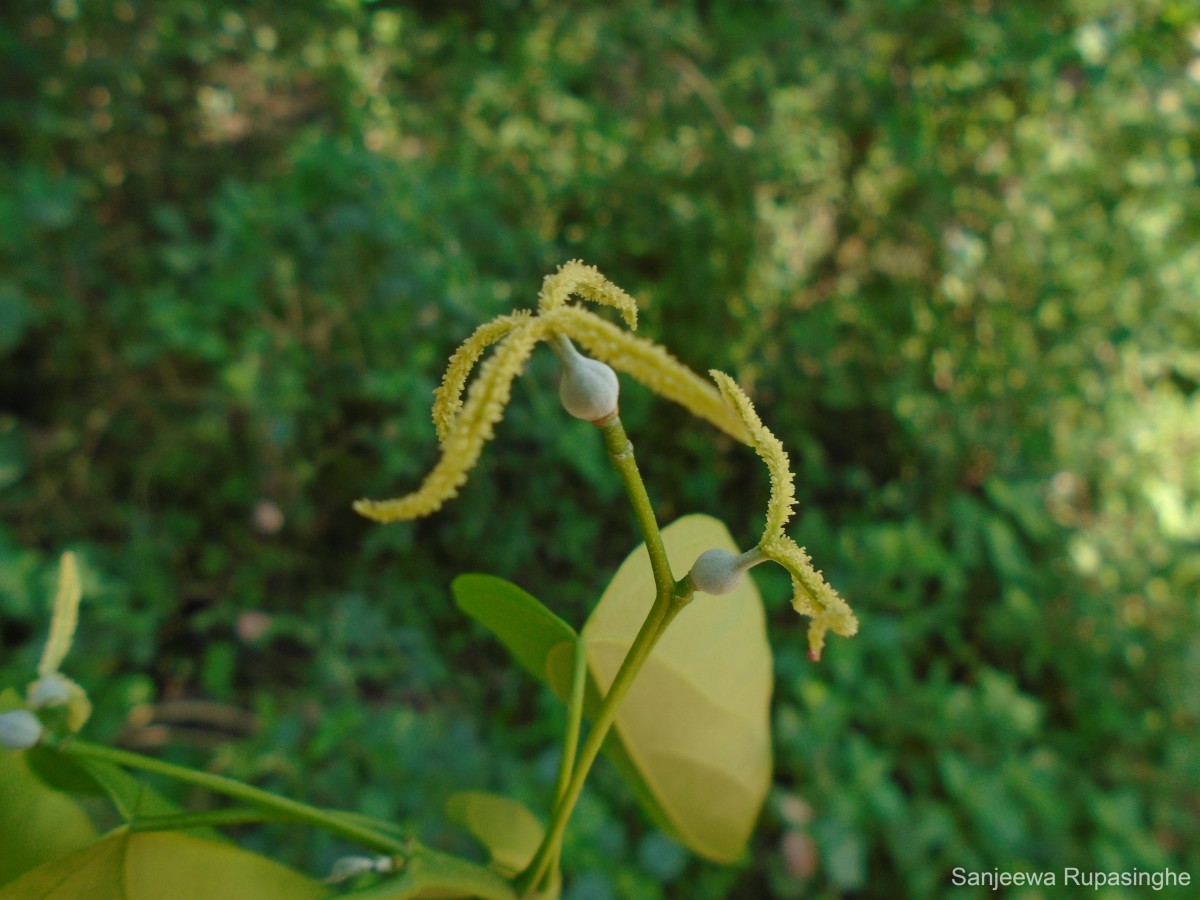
812	595
79	707
649	364
473	427
384	511
447	399
769	448
586	281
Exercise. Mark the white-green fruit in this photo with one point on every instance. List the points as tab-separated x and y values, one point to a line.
717	571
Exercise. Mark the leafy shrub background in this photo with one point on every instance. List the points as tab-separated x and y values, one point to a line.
953	250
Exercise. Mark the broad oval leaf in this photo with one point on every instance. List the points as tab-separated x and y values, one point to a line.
506	827
155	865
696	722
539	640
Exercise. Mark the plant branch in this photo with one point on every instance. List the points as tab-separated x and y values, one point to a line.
213	818
656	622
327	820
670	599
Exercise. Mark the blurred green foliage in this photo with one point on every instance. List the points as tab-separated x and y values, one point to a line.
952	249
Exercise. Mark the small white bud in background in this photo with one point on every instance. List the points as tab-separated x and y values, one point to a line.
717	571
348	866
56	689
588	388
49	690
19	729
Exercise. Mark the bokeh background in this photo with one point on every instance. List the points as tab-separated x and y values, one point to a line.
952	249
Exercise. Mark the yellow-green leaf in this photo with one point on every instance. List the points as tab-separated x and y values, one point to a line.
506	827
37	824
696	723
157	865
131	797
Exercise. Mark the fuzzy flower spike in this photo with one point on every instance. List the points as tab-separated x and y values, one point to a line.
52	688
718	571
463	427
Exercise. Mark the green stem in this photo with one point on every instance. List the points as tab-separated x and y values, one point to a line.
620	454
670	599
330	821
213	818
571	738
574	722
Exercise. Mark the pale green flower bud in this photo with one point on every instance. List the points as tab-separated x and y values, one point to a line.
19	729
56	689
49	690
716	572
588	388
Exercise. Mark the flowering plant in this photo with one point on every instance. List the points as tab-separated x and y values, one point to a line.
673	673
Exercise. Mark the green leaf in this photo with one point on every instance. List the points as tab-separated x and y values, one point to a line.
428	873
506	827
696	723
538	639
37	823
61	772
155	865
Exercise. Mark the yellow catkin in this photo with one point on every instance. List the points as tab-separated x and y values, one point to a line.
447	399
65	617
473	427
812	595
769	448
585	281
649	364
463	428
